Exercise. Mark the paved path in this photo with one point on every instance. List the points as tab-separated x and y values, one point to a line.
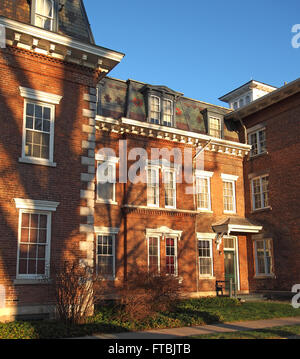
180	333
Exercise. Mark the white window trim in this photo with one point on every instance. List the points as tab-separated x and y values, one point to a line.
158	250
261	192
206	175
108	231
207	237
220	126
256	239
37	207
255	130
174	171
113	162
232	179
43	16
162	233
172	111
159	104
156	168
44	99
35	160
41	96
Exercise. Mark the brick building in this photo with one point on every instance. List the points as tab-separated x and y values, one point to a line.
122	174
49	70
270	124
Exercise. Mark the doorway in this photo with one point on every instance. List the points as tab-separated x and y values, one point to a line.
231	264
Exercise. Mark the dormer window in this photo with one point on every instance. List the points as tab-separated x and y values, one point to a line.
215	127
43	14
161	114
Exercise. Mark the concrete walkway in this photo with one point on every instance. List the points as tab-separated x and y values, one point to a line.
180	333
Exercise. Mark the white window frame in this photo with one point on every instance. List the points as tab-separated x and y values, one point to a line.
230	179
170	124
175	252
265	274
162	233
159	112
256	130
44	99
156	169
219	129
35	207
260	178
206	238
204	175
36	14
158	250
112	162
173	171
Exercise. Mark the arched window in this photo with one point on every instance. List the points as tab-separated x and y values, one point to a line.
44	14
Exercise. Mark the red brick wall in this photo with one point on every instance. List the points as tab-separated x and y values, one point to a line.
140	218
282	221
19	180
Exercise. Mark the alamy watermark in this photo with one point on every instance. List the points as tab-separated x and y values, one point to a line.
2	37
296	37
133	164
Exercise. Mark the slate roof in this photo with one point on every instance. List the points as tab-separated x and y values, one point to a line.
120	98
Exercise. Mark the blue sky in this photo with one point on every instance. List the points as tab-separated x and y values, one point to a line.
201	48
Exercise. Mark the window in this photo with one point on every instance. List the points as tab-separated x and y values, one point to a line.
155	110
43	14
235	105
258	141
161	114
33	252
168	113
170	188
38	130
241	102
38	126
229	193
153	186
260	192
248	99
171	256
215	127
106	255
34	234
106	179
205	257
263	257
203	190
154	254
162	249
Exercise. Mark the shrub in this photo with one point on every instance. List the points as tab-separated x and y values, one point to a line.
75	288
146	293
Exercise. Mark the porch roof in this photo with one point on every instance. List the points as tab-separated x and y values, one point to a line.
236	224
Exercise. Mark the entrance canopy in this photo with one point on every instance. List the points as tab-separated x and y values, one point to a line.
227	225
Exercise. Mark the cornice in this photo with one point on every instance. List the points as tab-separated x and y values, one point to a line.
145	129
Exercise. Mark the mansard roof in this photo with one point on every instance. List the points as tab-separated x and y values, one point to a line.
128	99
71	16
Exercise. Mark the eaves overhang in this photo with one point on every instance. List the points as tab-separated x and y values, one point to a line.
146	129
265	101
58	46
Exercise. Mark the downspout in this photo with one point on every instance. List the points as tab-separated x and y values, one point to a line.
195	209
124	215
244	127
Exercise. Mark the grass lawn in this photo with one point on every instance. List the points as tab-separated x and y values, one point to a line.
107	319
283	332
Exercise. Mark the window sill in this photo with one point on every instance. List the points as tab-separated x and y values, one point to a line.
31	281
106	202
258	155
36	161
204	278
264	276
204	210
229	212
269	208
108	279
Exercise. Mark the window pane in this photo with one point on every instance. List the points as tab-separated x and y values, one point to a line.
170	256
202	193
105	255
228	193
